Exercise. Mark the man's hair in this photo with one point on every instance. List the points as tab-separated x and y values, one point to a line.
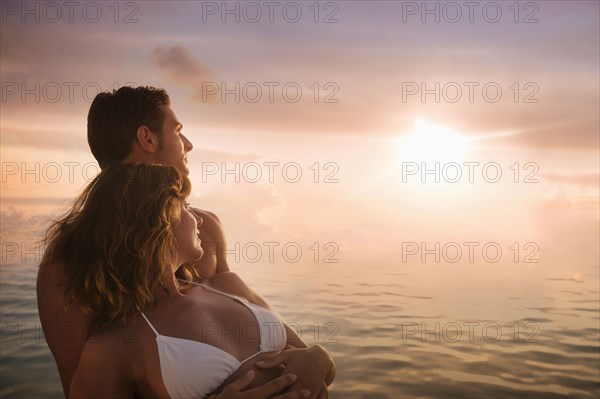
115	116
117	242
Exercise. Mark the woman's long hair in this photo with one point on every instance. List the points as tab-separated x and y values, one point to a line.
116	241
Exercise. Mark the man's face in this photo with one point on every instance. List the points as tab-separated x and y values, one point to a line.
175	145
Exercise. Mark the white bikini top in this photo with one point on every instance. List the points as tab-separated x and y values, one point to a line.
193	369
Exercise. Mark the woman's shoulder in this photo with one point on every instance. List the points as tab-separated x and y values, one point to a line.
233	284
230	283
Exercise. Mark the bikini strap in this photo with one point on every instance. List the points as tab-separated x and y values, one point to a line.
187	281
235	297
150	324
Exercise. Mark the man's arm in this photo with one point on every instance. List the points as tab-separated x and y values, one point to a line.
65	328
101	373
214	245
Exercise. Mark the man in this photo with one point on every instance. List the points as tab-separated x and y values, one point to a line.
138	125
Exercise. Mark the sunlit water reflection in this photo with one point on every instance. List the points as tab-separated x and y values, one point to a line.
394	330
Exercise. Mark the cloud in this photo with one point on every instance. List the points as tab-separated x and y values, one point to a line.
583	180
365	55
180	66
562	201
21	233
19	223
572	191
44	138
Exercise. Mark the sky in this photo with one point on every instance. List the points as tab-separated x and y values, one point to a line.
333	113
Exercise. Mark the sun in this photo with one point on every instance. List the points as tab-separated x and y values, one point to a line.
429	142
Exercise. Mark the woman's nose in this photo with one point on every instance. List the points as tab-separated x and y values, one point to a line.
187	144
199	220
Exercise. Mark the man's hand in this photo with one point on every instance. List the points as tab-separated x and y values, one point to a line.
314	366
235	390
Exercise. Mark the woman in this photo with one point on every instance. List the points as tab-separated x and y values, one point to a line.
154	335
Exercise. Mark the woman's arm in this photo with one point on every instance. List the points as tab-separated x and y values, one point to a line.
311	364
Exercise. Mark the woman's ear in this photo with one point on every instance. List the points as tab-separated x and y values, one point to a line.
147	139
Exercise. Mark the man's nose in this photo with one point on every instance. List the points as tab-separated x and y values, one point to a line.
187	144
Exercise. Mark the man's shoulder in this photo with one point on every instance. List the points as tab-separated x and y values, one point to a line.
103	353
54	306
117	334
51	275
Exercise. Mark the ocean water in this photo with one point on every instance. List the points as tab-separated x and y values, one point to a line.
27	368
392	333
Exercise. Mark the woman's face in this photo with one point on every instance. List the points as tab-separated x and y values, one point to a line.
186	236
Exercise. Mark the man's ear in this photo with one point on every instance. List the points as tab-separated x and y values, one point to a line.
146	139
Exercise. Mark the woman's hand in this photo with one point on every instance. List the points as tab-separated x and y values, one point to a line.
314	365
235	390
